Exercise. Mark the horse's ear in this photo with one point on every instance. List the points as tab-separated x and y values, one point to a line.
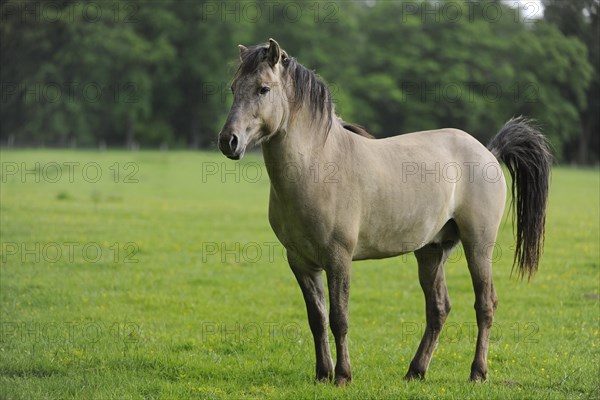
273	53
284	58
243	50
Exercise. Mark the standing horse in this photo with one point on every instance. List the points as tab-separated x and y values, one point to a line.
351	197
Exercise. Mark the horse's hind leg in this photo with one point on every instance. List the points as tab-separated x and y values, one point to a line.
479	257
431	259
310	280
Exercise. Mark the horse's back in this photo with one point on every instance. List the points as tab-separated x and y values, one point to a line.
454	142
455	153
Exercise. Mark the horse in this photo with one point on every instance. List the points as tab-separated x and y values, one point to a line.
420	192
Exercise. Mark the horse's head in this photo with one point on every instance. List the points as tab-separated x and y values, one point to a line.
260	105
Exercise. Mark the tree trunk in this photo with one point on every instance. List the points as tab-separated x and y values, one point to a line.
584	142
194	133
130	134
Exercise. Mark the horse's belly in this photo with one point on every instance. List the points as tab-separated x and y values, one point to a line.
386	242
404	222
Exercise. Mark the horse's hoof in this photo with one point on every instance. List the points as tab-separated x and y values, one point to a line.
323	378
341	381
478	376
414	375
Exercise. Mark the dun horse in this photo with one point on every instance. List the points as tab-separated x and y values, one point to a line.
421	192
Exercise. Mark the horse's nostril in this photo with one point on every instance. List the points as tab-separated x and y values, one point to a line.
233	142
228	142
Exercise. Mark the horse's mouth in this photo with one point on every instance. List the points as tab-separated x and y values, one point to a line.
236	155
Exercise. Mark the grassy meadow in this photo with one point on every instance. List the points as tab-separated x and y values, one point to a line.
146	275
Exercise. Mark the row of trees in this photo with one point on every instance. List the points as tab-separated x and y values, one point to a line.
157	73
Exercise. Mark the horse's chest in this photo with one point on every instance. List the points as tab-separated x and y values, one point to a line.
298	228
288	222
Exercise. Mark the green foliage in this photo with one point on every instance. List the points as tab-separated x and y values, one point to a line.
580	19
152	73
184	313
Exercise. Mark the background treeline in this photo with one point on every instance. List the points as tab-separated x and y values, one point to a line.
157	73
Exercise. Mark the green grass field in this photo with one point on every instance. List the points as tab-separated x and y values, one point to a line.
156	275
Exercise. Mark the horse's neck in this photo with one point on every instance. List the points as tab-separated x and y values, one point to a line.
298	151
298	146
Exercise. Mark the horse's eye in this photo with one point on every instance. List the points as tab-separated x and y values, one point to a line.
264	90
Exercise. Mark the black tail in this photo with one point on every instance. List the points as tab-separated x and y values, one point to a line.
526	154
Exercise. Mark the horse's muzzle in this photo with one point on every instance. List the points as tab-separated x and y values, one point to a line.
229	144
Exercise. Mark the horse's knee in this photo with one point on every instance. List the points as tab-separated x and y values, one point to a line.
485	313
339	326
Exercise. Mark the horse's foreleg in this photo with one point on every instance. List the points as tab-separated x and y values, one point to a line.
431	261
338	280
311	284
480	266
